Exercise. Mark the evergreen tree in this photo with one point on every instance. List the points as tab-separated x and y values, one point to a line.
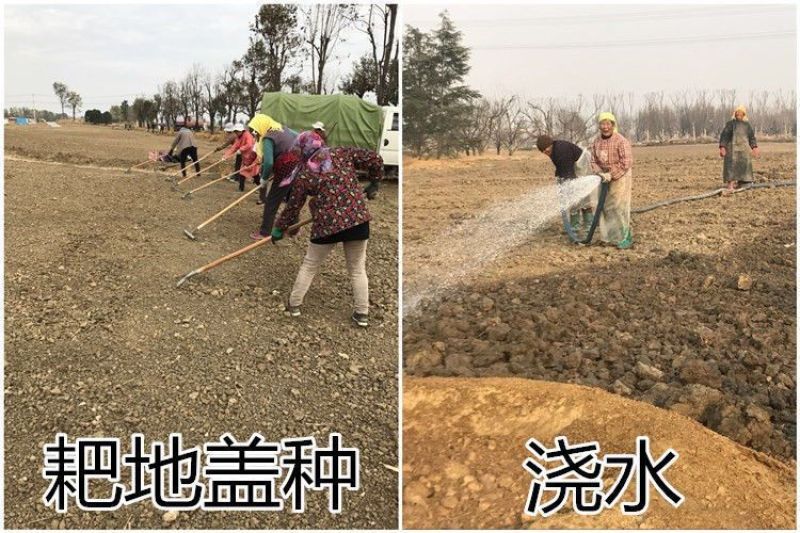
436	102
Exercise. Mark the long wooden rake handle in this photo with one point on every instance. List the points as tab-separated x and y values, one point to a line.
209	154
237	253
200	188
212	165
228	208
141	164
209	184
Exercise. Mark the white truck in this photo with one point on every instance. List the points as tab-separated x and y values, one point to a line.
390	140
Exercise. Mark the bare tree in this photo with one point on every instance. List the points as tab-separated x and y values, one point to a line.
542	115
379	22
184	98
194	87
213	99
324	25
512	125
231	91
170	102
497	110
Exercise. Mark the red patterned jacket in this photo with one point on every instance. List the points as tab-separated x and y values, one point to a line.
338	202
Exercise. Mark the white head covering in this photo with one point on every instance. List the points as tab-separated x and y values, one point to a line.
318	126
238	127
229	127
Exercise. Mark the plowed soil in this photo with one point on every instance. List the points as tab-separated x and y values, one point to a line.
99	342
667	322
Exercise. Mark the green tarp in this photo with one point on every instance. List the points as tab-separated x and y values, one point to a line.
349	120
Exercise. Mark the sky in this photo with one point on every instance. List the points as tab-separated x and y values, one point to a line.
108	53
567	50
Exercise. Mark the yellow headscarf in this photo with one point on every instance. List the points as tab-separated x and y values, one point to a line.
263	124
743	110
606	115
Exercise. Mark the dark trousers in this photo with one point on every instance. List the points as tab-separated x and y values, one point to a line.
272	201
186	153
236	166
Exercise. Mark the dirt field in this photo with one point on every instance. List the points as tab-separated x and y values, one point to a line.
664	322
466	473
99	342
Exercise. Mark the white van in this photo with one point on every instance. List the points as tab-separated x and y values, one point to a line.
390	140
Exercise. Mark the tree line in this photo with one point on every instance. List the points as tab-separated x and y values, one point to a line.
30	112
444	117
282	37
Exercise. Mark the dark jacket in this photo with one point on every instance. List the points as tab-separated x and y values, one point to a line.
726	137
564	156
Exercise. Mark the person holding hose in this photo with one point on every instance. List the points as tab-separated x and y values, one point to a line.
187	147
340	215
242	144
736	142
612	159
564	156
274	147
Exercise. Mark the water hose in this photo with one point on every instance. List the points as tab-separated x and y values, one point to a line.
715	192
573	237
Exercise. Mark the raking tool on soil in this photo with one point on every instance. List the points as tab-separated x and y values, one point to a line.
177	173
212	165
210	183
216	180
237	253
138	165
191	235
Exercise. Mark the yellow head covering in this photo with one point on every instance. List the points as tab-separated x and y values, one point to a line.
263	124
743	110
606	115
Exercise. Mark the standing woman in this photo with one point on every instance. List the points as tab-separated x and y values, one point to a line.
612	158
242	144
339	211
736	142
274	147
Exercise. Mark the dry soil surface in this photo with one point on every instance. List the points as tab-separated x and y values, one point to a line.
466	472
99	342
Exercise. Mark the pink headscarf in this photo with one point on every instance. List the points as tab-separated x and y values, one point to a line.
314	156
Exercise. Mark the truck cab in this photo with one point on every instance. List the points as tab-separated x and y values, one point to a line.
390	140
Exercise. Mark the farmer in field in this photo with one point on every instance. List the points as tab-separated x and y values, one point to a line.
565	157
612	159
274	146
242	144
339	211
250	169
187	147
229	138
736	142
319	128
